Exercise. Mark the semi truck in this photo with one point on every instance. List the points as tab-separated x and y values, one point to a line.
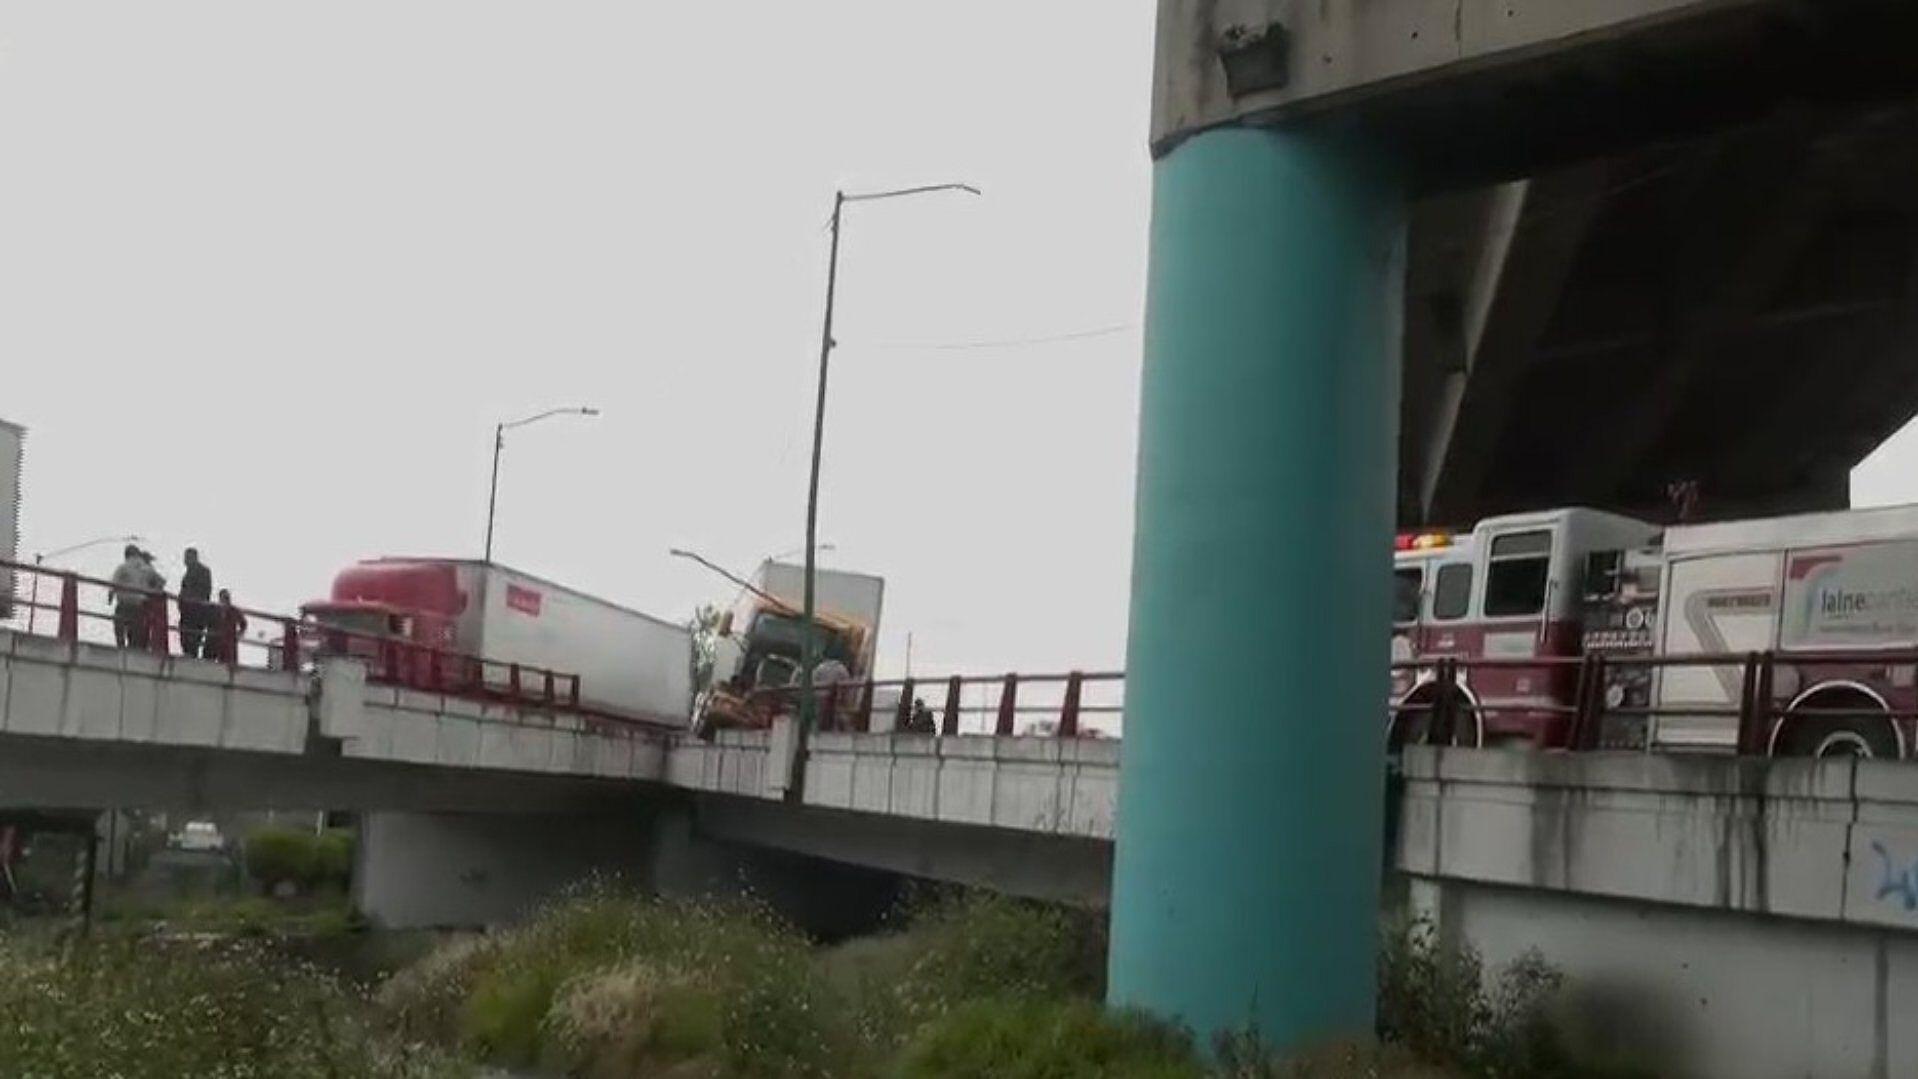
761	641
628	663
1832	596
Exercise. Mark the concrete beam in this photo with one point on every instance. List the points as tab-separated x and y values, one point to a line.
436	870
63	773
1031	864
1325	56
1526	248
1759	197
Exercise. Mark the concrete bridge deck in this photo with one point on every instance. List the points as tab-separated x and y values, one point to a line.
1736	916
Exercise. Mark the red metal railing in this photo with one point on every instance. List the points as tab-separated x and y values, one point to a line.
1758	714
850	706
288	643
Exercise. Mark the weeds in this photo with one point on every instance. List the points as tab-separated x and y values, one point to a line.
1026	1038
140	1008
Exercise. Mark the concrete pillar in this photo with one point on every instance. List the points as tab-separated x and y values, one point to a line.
431	870
1246	883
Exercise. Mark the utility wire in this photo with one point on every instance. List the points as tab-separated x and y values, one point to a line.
1008	342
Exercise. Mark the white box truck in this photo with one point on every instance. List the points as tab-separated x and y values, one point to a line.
628	663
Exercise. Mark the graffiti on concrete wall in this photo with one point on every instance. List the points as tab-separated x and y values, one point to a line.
1896	883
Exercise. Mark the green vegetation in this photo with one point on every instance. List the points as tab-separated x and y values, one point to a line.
241	916
602	981
301	860
1025	1038
1438	1003
603	984
140	1008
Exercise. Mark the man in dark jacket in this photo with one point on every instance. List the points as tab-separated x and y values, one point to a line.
196	608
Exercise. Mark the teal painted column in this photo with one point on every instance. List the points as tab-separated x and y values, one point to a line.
1245	890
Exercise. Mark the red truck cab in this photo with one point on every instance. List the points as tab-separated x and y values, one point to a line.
377	608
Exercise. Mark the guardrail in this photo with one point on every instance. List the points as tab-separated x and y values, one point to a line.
390	660
850	705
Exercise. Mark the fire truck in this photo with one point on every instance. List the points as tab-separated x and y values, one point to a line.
1830	600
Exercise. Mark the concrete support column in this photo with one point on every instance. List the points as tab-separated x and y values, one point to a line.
1246	883
421	870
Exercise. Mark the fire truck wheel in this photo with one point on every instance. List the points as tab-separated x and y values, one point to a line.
1825	736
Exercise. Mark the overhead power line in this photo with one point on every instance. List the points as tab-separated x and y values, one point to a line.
1006	342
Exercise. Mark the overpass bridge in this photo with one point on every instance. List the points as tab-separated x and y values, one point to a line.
1735	916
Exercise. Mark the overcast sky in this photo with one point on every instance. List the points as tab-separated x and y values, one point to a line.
269	274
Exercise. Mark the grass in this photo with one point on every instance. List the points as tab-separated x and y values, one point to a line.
1025	1038
324	915
137	1008
603	984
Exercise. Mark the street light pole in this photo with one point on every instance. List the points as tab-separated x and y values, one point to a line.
809	645
499	443
492	493
33	600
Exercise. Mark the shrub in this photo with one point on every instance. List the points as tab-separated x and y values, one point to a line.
426	999
333	858
300	858
1014	1038
961	946
638	1020
1434	1000
723	978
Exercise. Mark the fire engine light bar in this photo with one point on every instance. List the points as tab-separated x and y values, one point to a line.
1421	541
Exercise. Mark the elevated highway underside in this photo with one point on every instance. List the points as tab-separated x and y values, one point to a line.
1652	241
1735	309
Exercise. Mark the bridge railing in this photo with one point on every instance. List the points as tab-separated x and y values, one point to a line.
1066	705
70	606
1441	700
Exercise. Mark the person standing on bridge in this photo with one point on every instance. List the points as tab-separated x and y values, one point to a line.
129	600
196	608
229	626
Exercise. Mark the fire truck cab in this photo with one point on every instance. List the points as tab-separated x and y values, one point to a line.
1510	590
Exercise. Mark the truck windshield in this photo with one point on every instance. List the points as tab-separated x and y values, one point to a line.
368	623
780	634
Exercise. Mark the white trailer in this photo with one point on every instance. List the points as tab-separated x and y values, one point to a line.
628	662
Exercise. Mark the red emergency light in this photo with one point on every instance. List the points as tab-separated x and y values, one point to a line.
1421	541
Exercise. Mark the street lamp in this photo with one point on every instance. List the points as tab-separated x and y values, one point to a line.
809	654
499	442
695	556
33	600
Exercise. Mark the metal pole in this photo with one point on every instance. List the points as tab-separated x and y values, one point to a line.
492	497
809	647
33	601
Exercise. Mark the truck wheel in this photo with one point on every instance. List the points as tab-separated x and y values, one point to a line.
1826	737
1869	736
